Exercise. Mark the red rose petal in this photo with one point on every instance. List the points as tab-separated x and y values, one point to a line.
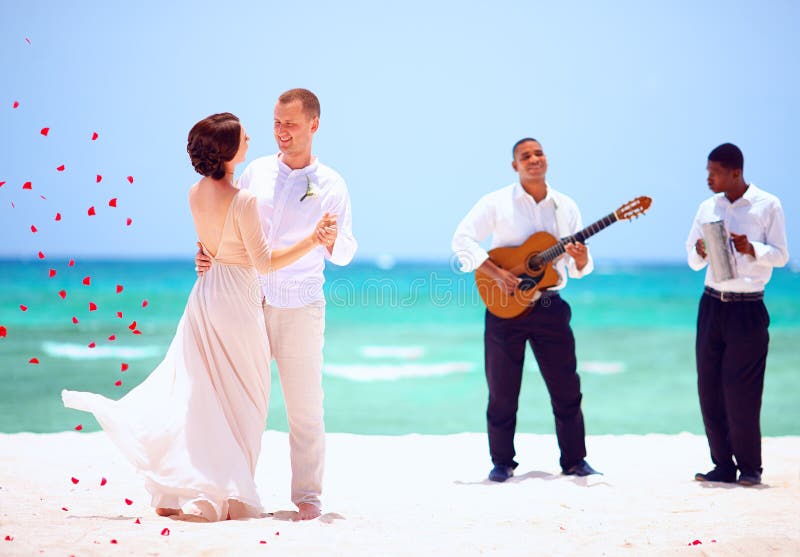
25	308
144	303
92	306
119	314
137	332
137	521
9	538
3	331
52	273
165	532
41	255
114	541
16	104
98	179
75	480
78	427
112	337
130	179
128	502
697	542
33	361
27	186
118	383
129	221
277	533
27	40
43	197
119	288
71	263
123	367
58	216
63	294
44	131
34	229
64	509
2	184
92	344
61	168
103	482
91	212
132	326
263	541
87	280
112	202
94	136
74	320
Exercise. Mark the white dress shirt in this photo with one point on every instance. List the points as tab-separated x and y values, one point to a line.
759	215
286	220
510	215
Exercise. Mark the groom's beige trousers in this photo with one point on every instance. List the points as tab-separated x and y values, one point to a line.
296	337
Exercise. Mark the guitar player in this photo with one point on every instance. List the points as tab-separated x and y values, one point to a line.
510	215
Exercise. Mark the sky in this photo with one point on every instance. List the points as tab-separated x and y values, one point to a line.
421	103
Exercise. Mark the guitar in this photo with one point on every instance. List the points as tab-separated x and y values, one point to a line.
533	263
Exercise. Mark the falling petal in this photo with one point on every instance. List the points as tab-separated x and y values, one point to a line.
137	332
130	179
137	521
45	131
71	263
25	308
128	502
165	532
27	40
145	303
94	136
112	202
9	538
16	104
132	326
75	480
41	255
123	367
63	294
98	179
34	229
61	168
78	427
43	197
58	216
87	280
92	344
129	221
91	212
119	288
119	314
103	482
263	541
27	186
33	361
52	273
2	184
74	320
114	541
92	306
64	509
118	383
112	338
3	331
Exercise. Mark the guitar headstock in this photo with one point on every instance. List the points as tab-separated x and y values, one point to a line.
633	208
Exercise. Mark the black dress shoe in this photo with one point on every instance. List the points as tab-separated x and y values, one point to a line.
717	475
749	480
500	473
581	469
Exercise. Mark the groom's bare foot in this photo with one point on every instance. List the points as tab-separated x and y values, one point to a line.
163	511
307	511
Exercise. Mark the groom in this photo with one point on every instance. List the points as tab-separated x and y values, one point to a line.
294	190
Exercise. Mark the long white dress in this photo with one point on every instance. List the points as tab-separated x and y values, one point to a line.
193	428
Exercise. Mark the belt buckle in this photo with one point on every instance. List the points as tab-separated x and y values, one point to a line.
722	297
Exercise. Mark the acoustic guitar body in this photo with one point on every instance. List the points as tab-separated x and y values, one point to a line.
518	260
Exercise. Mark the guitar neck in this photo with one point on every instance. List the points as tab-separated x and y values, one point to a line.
554	251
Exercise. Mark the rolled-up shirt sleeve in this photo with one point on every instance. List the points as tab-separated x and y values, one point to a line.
471	231
344	248
774	252
693	258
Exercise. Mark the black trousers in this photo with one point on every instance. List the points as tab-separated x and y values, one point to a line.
731	351
547	330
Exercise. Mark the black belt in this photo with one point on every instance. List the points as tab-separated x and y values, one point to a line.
735	296
549	293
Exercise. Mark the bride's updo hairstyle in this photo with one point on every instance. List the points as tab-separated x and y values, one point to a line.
213	141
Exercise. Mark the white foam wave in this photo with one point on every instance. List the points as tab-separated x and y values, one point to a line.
83	352
601	368
393	372
399	352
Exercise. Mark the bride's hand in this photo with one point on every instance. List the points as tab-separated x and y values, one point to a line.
326	230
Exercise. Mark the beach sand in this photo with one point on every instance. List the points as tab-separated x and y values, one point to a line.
413	495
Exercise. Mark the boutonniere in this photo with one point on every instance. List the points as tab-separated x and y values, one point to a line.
310	190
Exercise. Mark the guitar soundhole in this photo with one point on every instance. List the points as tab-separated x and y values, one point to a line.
535	265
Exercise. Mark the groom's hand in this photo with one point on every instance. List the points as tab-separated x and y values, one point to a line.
202	263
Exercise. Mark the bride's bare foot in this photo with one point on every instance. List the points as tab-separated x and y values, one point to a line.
307	511
163	511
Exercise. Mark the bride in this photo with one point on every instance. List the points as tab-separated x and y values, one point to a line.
193	427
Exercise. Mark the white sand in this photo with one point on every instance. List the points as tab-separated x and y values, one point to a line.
414	495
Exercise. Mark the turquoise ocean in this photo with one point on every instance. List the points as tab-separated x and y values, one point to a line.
403	350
